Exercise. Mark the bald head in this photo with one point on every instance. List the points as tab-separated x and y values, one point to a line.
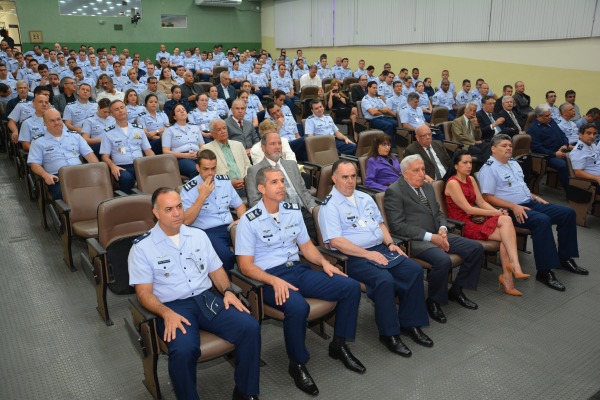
53	122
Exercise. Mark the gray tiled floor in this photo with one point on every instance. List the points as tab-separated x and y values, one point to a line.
541	346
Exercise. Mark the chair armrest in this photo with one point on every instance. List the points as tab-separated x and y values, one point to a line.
134	190
119	193
457	144
312	165
349	158
402	241
367	190
455	225
252	282
62	206
147	315
335	254
95	246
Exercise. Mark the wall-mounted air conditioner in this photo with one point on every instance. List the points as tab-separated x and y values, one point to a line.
218	3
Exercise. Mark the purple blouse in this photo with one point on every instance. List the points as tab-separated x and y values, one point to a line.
380	173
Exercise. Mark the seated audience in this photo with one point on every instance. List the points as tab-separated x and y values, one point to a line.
154	122
339	103
383	168
183	140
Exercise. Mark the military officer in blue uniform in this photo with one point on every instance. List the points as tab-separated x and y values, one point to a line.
585	157
397	100
94	126
268	239
502	185
33	127
207	200
81	109
377	113
284	82
444	97
174	269
320	124
121	144
57	148
411	115
351	223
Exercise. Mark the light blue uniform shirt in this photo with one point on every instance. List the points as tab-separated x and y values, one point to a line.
412	116
124	148
284	84
342	73
423	100
202	119
259	80
569	128
451	88
505	181
385	90
271	243
359	223
152	123
586	158
206	65
371	102
22	111
77	112
289	129
182	139
176	60
175	272
320	126
53	154
463	97
32	128
216	208
134	112
138	87
162	54
219	106
395	103
359	72
298	73
95	125
443	99
324	73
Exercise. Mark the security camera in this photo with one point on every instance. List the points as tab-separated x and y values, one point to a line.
135	18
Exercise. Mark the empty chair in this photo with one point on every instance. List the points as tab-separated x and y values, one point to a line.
120	221
309	92
439	115
83	187
349	80
321	150
156	171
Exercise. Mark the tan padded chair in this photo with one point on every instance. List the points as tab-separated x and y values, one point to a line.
324	182
360	116
529	121
522	151
216	72
320	310
309	92
349	80
521	144
365	141
321	150
153	172
83	187
206	86
582	195
439	115
326	81
490	247
460	111
149	345
120	221
455	259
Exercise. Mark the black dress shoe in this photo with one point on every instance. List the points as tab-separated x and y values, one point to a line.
459	297
435	311
237	395
343	353
395	345
548	278
417	335
302	379
571	266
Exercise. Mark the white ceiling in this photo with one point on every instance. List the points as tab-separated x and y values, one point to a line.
7	7
101	8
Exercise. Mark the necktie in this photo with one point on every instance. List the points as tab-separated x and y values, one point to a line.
438	175
241	126
469	128
512	116
424	199
292	196
491	118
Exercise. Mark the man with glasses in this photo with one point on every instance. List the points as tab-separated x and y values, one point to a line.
68	95
153	89
550	102
357	92
434	154
548	139
225	89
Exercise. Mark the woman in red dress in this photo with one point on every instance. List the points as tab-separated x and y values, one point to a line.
482	221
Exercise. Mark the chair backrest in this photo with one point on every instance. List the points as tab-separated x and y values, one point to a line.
359	109
447	127
156	171
380	201
315	214
349	80
126	216
206	86
362	167
309	92
460	111
439	115
297	85
216	72
438	188
521	145
325	183
365	141
84	187
321	149
326	81
529	121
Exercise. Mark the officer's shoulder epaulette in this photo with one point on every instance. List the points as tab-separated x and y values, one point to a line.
190	185
311	116
291	206
91	101
326	200
110	128
142	113
253	214
73	102
26	119
222	177
579	146
37	137
70	131
140	238
489	162
136	126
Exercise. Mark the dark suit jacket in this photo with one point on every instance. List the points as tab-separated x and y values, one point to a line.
291	169
407	216
508	127
440	152
194	90
221	93
357	93
487	132
248	137
522	107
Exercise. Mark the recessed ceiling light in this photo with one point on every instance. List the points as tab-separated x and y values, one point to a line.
111	8
84	6
80	9
96	8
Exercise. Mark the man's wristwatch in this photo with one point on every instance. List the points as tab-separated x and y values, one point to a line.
389	244
228	289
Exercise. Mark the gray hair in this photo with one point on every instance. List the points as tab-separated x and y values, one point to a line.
240	101
470	104
504	98
211	124
496	139
222	74
406	161
541	109
261	175
562	106
412	96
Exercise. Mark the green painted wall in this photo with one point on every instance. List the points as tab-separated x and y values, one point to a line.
206	26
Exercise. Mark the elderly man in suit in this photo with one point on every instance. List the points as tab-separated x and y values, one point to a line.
240	129
225	90
511	125
466	130
434	154
296	191
413	211
489	122
232	159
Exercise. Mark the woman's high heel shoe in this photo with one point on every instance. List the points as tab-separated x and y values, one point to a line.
511	269
508	290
